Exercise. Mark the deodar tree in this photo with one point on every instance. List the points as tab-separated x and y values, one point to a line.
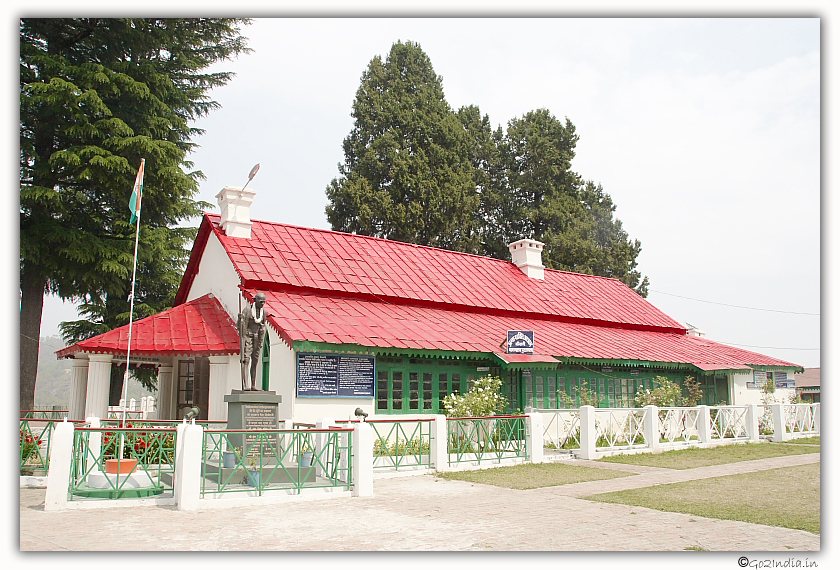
406	175
96	96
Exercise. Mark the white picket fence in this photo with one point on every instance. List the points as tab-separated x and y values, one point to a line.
590	432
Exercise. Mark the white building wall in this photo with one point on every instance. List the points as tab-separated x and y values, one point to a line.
216	275
741	395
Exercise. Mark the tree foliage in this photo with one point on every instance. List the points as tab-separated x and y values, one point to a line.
417	171
96	96
405	175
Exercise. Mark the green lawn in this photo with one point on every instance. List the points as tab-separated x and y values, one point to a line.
806	440
787	497
533	476
701	457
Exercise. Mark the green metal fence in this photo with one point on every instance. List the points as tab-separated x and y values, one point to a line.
401	443
247	461
490	438
98	451
35	439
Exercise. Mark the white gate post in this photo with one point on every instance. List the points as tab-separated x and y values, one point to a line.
187	489
588	436
752	423
534	437
704	424
439	444
817	417
61	459
652	428
779	431
362	460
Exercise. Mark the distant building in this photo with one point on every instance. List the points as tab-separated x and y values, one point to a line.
392	327
808	385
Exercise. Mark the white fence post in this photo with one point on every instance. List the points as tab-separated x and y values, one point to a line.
752	423
362	460
704	424
817	418
61	459
779	431
588	435
652	428
534	437
439	444
321	440
187	489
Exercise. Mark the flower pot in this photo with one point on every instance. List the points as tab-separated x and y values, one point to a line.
254	478
228	459
306	459
120	466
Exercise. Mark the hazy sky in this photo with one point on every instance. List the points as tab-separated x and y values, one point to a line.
705	132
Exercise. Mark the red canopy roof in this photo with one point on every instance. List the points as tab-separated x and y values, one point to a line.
200	327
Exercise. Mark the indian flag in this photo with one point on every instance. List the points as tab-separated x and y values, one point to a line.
137	195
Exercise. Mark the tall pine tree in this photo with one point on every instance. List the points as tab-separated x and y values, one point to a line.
96	96
406	175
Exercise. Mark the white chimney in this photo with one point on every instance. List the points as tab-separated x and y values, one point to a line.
526	254
694	331
235	203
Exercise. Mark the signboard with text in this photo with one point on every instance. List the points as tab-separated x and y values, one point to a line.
335	376
520	342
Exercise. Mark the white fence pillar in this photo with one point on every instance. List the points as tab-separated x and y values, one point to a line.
61	459
534	437
588	435
362	460
817	418
439	443
779	431
704	424
752	423
187	488
321	440
651	428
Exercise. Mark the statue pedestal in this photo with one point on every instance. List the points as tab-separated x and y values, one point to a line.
252	410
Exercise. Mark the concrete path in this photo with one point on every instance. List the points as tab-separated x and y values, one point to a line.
422	513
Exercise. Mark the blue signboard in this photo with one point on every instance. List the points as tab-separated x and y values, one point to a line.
335	376
520	342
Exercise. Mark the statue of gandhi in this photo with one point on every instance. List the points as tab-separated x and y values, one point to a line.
251	325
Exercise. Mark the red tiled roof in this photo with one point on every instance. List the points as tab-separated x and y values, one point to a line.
200	327
309	317
282	257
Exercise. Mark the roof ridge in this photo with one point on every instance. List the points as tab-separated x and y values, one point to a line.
321	230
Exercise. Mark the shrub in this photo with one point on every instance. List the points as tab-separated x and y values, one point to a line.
483	399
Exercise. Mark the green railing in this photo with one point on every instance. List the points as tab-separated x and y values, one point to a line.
490	438
401	443
44	414
95	454
35	438
280	459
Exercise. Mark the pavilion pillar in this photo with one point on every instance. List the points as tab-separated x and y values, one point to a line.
98	386
218	389
78	388
165	391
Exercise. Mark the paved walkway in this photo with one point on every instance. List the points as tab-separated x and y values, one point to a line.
423	513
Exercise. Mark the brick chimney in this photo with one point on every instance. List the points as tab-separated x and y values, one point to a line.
526	254
235	204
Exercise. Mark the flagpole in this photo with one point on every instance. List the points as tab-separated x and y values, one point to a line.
131	302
